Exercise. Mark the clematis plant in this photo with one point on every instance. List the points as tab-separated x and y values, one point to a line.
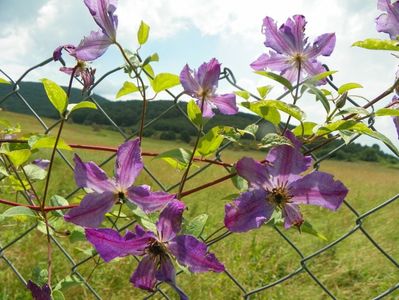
291	53
158	249
388	22
202	85
279	185
107	191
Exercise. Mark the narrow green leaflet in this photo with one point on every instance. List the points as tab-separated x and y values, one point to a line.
48	142
19	213
67	282
143	33
387	112
348	86
320	96
320	76
194	113
127	88
354	110
195	227
210	142
376	44
273	140
177	158
264	90
243	94
337	125
164	81
305	129
56	95
280	79
76	106
3	81
268	113
306	227
289	109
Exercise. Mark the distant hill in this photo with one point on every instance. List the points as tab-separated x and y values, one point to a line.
172	125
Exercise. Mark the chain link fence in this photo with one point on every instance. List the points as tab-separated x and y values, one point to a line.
303	260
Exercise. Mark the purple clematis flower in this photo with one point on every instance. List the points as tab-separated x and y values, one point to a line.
39	293
388	22
279	185
395	105
292	52
202	85
107	191
157	249
41	163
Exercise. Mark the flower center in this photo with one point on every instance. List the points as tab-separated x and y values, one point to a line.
278	196
156	248
297	59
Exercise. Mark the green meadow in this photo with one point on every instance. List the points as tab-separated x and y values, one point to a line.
352	269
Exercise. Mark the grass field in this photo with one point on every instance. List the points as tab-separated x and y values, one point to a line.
353	269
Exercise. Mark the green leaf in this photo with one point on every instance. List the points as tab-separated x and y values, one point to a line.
240	183
3	81
177	158
49	142
210	142
264	90
194	113
56	95
280	79
58	201
319	96
77	235
18	157
337	125
266	112
57	295
19	213
144	219
376	44
143	33
306	129
289	109
243	94
251	129
67	282
164	81
196	226
306	227
273	140
76	106
127	88
387	112
149	71
35	172
348	86
354	110
320	76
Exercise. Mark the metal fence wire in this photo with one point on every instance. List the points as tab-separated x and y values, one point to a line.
303	260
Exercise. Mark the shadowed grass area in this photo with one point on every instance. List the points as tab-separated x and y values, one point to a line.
353	269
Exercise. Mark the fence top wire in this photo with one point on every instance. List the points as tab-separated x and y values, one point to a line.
303	260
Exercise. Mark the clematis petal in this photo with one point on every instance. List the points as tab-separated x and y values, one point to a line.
388	22
128	163
169	223
226	104
58	51
292	215
254	172
39	293
166	271
207	111
208	75
144	276
147	200
92	46
194	254
323	45
260	63
41	163
291	74
91	211
273	61
275	38
89	175
110	244
103	14
294	29
190	85
318	188
314	67
250	210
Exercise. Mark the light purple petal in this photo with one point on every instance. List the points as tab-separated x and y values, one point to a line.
109	244
226	104
128	163
92	46
273	61
323	45
208	75
388	22
194	254
41	163
254	172
207	111
91	211
294	30
250	210
144	276
190	85
292	215
318	188
314	67
275	38
291	74
89	175
169	223
147	200
58	51
396	122
103	14
260	64
39	293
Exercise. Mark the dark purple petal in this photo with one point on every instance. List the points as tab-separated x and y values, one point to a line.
91	211
39	293
87	76
208	75
190	85
323	45
41	163
89	175
109	244
128	163
226	104
292	215
58	51
169	223
144	276
166	271
250	210
254	172
92	46
147	200
276	38
194	254
388	22
103	14
294	30
318	188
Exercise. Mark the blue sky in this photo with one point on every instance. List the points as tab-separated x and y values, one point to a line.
193	31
